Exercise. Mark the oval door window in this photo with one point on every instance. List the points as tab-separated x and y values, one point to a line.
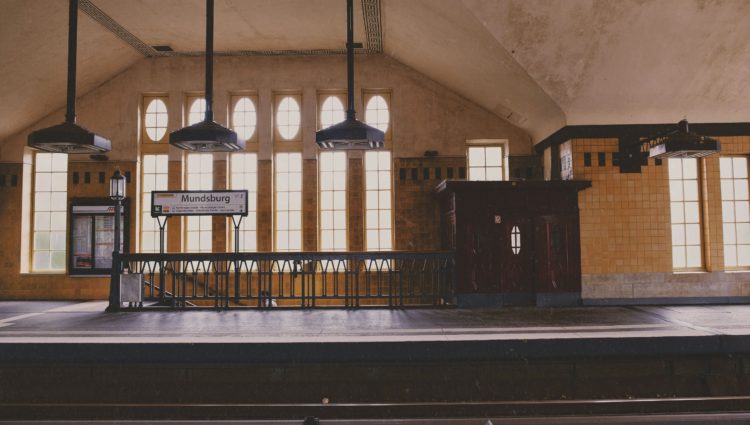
515	240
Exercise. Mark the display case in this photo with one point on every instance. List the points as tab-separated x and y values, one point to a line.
92	222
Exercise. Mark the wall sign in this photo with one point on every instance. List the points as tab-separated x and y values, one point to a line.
197	202
498	219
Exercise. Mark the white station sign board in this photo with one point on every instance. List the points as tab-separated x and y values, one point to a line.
196	202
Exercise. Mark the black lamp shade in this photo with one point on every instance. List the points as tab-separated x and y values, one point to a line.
350	134
117	186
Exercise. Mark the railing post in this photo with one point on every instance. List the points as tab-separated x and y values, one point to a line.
114	284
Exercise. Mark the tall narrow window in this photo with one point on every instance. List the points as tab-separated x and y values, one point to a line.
288	201
735	209
154	178
485	162
197	110
244	118
288	118
155	119
244	176
685	212
200	176
377	113
378	220
50	209
333	201
331	112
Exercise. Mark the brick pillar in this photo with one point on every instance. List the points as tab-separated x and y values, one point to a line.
355	204
310	205
174	224
219	223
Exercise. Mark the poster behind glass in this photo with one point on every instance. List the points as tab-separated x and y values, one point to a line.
92	240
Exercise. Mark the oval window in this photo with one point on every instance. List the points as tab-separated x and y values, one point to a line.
197	111
288	118
156	120
332	112
515	240
244	118
377	114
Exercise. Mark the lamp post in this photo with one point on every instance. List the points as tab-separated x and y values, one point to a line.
116	193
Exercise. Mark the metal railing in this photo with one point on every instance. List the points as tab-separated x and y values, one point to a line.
302	279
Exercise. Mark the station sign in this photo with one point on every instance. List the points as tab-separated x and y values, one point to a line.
196	202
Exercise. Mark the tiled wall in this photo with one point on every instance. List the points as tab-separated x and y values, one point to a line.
626	249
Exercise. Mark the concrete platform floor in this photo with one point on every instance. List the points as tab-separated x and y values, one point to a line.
430	334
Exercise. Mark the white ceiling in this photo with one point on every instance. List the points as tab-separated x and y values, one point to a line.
540	64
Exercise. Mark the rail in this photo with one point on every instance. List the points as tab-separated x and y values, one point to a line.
300	279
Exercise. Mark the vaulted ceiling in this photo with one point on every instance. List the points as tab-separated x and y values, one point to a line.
540	64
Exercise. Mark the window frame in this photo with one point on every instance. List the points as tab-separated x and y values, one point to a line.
234	98
392	200
483	143
701	246
146	100
734	201
189	99
333	210
368	94
295	143
186	219
323	95
141	193
230	225
275	209
66	211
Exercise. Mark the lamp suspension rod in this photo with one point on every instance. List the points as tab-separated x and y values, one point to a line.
209	60
350	114
70	109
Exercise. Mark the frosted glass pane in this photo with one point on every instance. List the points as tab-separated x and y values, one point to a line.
730	256
371	180
385	239
295	162
58	201
41	220
326	220
295	240
476	174
740	190
743	255
689	168
678	234
725	167
385	219
339	200
339	180
476	157
339	161
326	200
205	241
727	189
251	182
41	260
371	161
677	211
57	221
740	168
193	181
692	234
43	162
161	182
372	239
58	260
494	174
206	181
43	182
162	164
282	240
41	240
339	220
59	182
384	200
384	161
678	257
42	201
326	181
693	258
371	218
149	164
252	201
295	202
741	210
675	168
295	182
59	162
282	162
691	191
729	234
339	237
326	161
371	199
282	182
251	221
743	233
282	201
295	220
727	211
493	156
282	220
57	241
384	180
193	224
326	242
691	212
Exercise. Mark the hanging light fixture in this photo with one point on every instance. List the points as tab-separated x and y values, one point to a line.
207	135
69	137
682	143
350	134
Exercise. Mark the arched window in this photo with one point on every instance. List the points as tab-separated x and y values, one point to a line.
244	118
515	240
332	112
288	118
377	113
155	120
197	111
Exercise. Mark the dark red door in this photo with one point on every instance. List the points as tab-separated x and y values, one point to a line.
557	254
516	248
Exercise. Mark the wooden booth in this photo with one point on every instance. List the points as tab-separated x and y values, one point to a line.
516	242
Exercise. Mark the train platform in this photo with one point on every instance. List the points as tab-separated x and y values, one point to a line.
71	360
